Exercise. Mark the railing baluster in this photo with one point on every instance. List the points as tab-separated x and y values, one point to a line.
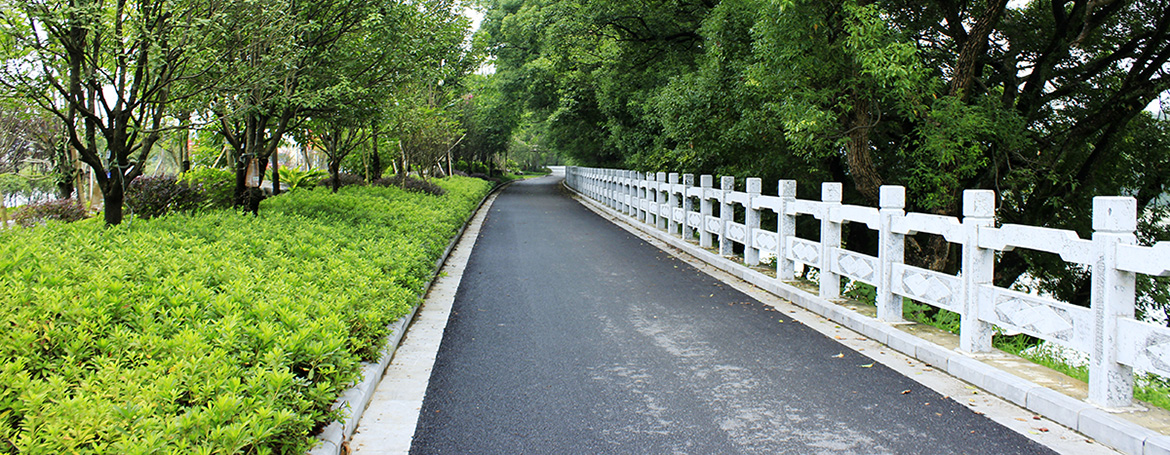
726	215
830	283
1114	223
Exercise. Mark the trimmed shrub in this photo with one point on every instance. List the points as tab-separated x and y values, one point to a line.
157	195
411	184
65	210
214	333
217	186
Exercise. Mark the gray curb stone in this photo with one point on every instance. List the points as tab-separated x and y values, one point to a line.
1158	445
1058	407
1113	431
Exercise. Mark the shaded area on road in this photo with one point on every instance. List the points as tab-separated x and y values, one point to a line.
570	335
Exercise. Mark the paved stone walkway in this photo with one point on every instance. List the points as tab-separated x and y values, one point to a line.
571	335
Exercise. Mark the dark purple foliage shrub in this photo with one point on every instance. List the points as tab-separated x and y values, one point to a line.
148	197
67	210
480	176
345	179
411	184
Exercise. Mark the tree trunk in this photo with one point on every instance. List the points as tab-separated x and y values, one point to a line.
858	154
3	211
185	150
113	195
241	189
335	171
67	170
275	173
400	161
376	169
973	50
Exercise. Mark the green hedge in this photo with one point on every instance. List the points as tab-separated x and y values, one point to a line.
211	333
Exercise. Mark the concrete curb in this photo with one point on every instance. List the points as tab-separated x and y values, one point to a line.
331	440
1113	431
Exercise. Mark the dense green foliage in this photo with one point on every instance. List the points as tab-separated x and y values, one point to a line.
216	185
211	333
1043	101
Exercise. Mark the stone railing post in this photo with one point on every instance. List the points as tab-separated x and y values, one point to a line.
631	200
660	197
641	195
705	183
652	198
978	269
727	214
751	254
830	283
1114	223
611	188
672	200
619	191
785	228
891	248
688	181
602	181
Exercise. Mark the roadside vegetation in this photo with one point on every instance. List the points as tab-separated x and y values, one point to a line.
208	331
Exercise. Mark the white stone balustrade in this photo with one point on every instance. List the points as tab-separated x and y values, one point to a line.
1115	342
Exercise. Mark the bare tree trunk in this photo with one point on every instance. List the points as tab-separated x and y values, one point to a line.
400	166
859	154
185	149
113	195
275	173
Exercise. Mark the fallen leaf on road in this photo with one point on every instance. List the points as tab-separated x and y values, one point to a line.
867	366
1043	430
839	338
1021	419
839	355
1035	417
907	391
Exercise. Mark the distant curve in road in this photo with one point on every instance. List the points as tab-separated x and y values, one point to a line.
570	335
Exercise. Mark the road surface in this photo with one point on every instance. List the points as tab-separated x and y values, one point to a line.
570	335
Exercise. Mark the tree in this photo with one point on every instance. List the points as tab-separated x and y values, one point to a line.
427	132
31	141
488	118
1041	102
108	70
587	71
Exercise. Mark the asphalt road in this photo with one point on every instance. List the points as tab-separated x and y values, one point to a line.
571	336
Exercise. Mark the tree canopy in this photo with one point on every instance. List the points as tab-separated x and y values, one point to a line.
120	76
1044	101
